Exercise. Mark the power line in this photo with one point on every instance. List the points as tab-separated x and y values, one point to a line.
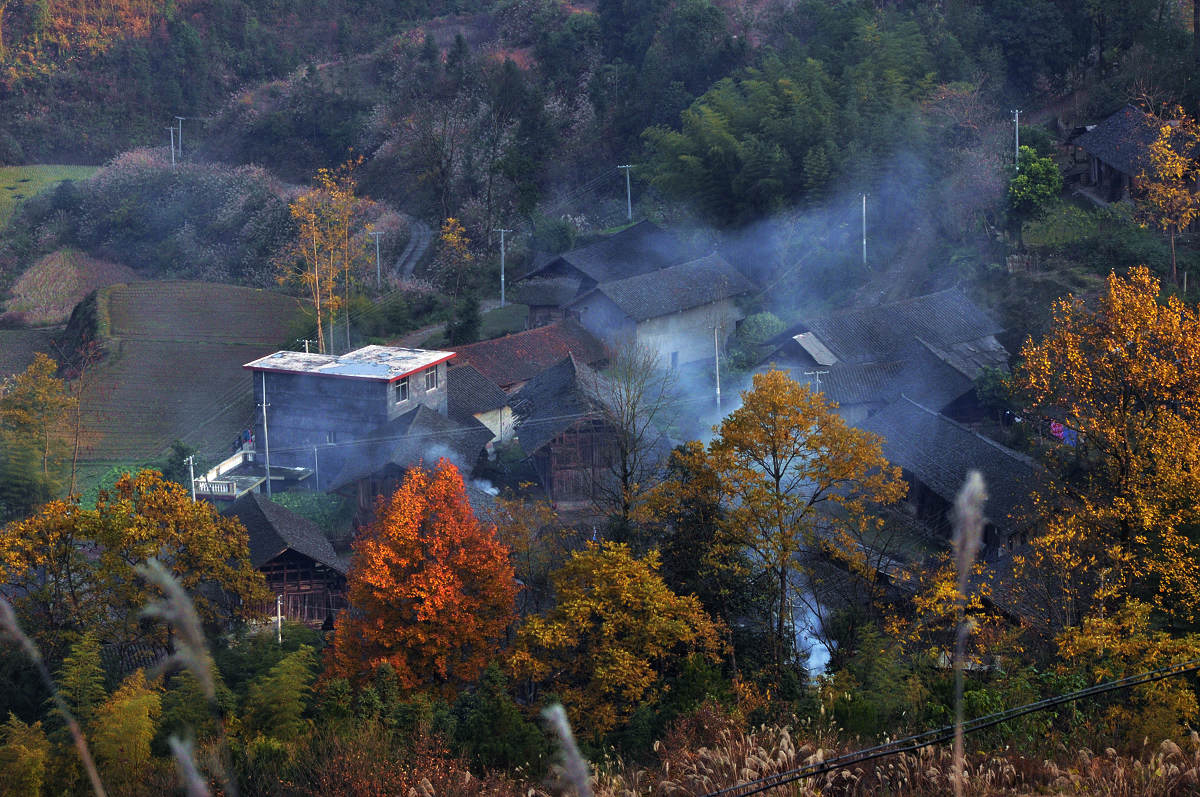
910	744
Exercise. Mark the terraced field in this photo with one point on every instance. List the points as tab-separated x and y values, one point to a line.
17	347
175	366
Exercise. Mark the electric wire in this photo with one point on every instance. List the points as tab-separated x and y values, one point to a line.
938	735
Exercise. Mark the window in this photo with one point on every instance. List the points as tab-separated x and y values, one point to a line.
402	390
431	378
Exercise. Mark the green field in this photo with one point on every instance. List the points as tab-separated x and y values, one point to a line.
21	182
174	370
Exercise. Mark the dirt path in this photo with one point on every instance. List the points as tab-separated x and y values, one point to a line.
415	338
418	242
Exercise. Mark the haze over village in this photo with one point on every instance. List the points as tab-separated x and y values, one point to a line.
672	397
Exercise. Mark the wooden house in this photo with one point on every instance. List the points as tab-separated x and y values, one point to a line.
936	453
1116	151
295	558
561	426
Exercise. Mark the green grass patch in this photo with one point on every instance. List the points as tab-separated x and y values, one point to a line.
503	321
18	183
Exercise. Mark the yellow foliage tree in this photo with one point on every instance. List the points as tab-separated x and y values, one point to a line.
1124	643
455	260
69	569
1125	375
34	408
330	244
798	480
1169	177
615	631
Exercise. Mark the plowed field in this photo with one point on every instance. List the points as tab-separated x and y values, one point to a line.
175	366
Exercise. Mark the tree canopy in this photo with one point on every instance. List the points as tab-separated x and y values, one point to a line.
433	589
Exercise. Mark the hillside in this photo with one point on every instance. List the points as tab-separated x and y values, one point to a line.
174	369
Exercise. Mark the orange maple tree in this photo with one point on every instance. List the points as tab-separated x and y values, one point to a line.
432	589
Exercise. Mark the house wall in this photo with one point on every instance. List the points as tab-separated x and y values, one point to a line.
306	410
600	316
499	421
689	334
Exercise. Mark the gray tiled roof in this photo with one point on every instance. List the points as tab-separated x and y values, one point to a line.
638	249
275	529
1121	140
555	400
940	452
947	323
919	374
545	291
676	288
470	392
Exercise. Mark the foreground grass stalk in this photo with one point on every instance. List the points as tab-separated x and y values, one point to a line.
574	766
968	535
8	623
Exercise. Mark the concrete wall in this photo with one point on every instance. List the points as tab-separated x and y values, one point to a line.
600	316
689	335
307	410
499	422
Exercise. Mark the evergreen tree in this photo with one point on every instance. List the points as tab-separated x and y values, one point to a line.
122	731
24	752
276	703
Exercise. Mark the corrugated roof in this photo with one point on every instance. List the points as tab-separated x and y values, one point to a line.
940	453
676	288
385	363
275	529
1122	139
521	356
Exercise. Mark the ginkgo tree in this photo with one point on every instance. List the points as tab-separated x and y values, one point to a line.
1169	176
797	480
1124	374
432	589
616	630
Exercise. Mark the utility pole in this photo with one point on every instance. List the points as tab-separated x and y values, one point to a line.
279	619
378	273
864	226
1017	139
191	463
817	376
305	341
179	121
502	232
628	192
172	129
717	363
266	439
316	468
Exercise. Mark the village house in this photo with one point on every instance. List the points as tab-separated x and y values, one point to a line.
296	559
321	408
931	348
514	359
472	396
675	311
936	453
550	286
561	426
1116	152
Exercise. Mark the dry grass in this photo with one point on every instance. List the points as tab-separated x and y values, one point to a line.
50	289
